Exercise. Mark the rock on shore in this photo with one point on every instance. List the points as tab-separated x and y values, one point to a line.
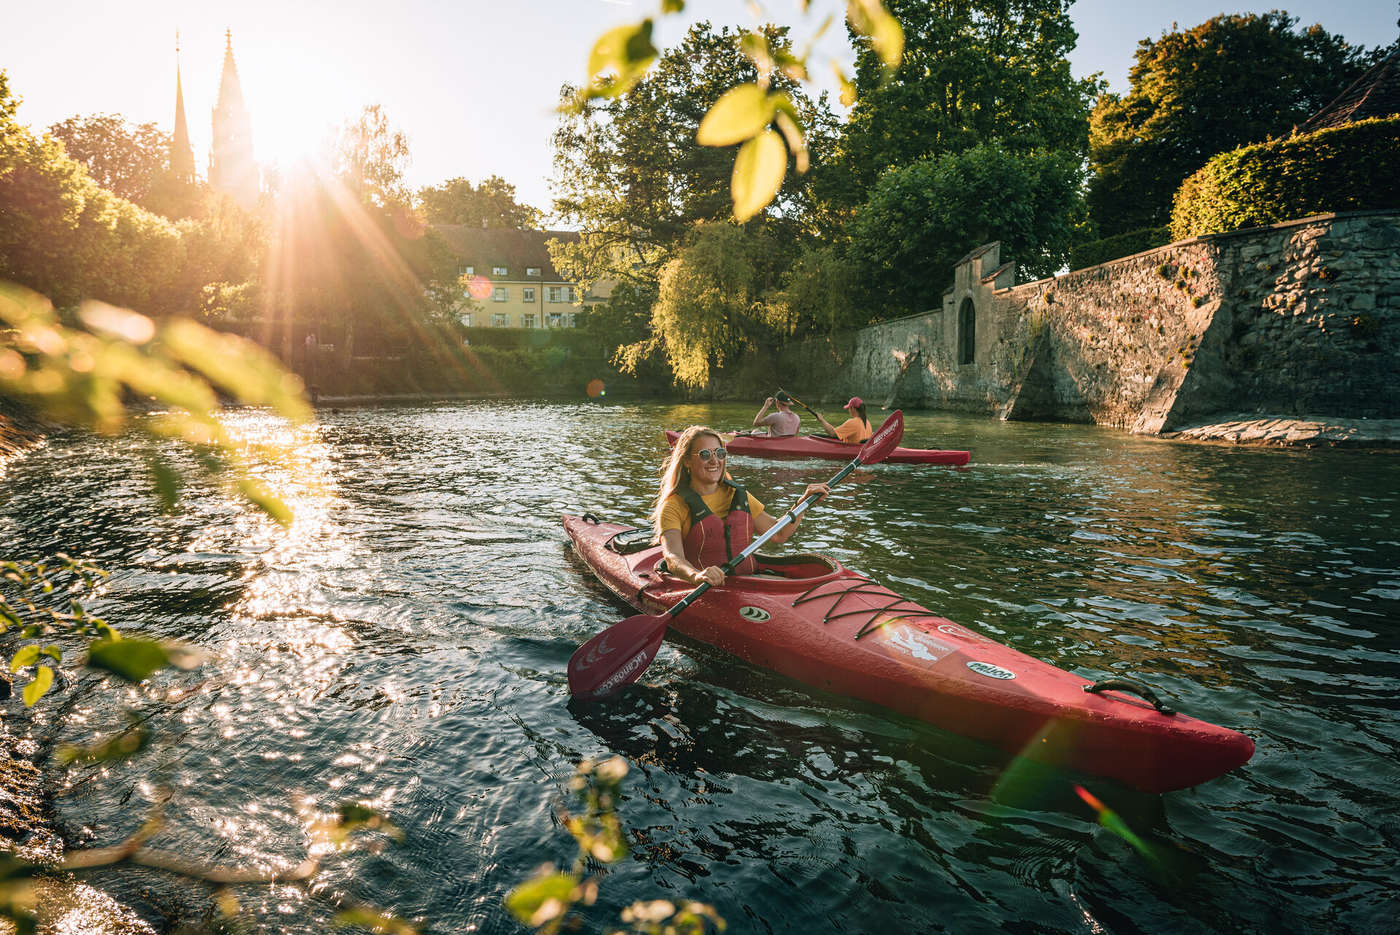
1294	431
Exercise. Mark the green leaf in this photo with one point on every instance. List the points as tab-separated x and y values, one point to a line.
379	923
623	54
543	898
167	481
133	660
758	174
741	114
118	747
38	686
848	89
25	656
265	500
53	652
870	18
672	6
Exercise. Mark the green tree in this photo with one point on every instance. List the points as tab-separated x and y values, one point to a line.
370	159
922	218
630	173
1233	80
490	204
126	159
708	309
973	72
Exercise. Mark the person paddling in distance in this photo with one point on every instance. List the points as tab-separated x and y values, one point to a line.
782	422
855	430
703	518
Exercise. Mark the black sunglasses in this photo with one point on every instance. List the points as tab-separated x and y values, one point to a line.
707	453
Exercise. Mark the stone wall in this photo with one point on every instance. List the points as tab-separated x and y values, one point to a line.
1301	318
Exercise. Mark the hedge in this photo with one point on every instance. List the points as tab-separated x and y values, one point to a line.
1354	167
1111	248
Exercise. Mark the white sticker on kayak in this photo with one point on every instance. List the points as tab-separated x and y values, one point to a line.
917	644
990	671
953	629
756	614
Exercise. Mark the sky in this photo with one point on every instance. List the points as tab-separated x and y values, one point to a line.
473	84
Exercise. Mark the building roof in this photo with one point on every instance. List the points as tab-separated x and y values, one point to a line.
1374	94
485	247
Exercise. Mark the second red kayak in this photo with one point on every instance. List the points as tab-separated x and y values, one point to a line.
828	449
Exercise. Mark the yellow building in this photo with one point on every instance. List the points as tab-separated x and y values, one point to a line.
509	278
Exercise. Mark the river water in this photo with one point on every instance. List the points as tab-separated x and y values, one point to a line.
404	645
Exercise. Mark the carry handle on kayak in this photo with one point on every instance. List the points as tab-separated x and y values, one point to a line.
1129	685
620	654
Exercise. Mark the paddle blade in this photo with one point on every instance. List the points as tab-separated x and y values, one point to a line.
616	657
885	439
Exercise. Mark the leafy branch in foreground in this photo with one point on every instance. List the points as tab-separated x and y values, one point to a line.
548	901
85	376
747	114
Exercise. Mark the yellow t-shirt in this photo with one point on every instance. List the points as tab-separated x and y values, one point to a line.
676	515
853	430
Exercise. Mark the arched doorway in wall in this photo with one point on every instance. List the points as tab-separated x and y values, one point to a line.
967	331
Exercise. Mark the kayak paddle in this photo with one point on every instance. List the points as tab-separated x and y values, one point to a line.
620	654
807	407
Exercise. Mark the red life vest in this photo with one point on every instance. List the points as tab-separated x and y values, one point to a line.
714	541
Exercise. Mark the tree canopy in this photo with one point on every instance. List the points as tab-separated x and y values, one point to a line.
126	159
922	218
1233	80
974	72
490	204
630	173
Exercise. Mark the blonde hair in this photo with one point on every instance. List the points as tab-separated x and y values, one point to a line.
674	473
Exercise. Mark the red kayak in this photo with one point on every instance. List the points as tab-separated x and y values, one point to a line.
813	620
813	446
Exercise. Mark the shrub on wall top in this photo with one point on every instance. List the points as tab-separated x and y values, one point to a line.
1111	248
1349	168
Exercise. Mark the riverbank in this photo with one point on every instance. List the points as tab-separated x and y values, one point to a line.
1293	432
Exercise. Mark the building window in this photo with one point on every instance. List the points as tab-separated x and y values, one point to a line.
559	293
499	319
967	331
527	321
499	271
467	319
532	271
556	319
500	294
465	270
527	293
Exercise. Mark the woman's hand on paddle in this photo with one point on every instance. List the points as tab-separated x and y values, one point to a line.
713	574
816	490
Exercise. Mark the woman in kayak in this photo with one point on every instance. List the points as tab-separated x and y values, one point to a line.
855	430
696	517
781	423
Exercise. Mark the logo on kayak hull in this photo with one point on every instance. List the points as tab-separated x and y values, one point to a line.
756	614
990	671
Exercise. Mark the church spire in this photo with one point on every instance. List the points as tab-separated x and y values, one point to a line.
231	166
181	155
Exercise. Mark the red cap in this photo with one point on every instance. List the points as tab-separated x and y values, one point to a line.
855	401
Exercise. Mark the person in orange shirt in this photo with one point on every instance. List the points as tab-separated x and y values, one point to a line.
854	431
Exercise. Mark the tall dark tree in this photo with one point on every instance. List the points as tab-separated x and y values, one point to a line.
974	72
1233	80
491	204
921	218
